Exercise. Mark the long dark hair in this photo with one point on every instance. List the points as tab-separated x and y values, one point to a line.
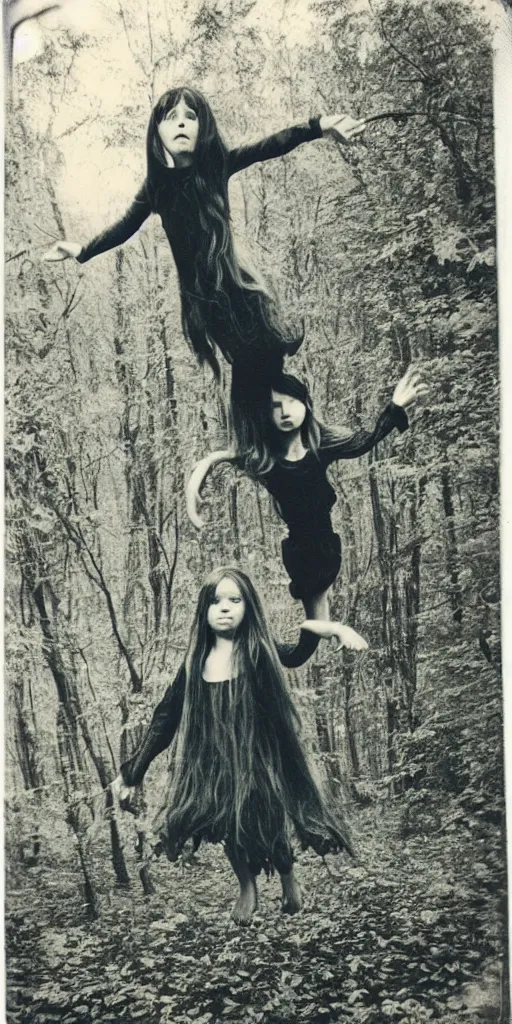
253	644
258	456
257	737
218	264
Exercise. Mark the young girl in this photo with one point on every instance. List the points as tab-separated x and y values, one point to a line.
291	460
239	774
224	304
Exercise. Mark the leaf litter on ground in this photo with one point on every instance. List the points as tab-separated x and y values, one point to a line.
398	939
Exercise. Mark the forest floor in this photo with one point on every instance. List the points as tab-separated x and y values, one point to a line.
411	933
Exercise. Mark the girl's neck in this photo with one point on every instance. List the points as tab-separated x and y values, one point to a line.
178	161
217	666
222	645
293	448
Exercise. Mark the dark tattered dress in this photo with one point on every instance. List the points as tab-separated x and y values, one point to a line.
230	316
255	817
304	498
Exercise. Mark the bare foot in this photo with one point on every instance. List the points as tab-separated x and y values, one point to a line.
292	898
349	638
246	903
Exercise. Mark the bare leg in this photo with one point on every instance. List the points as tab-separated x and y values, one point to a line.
317	607
292	899
248	899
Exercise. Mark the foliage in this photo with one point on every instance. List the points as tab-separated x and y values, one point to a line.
387	251
399	938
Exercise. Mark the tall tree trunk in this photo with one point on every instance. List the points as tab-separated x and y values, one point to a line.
29	758
350	728
70	708
131	737
400	572
322	707
452	553
72	771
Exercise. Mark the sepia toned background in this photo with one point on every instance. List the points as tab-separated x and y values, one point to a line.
387	250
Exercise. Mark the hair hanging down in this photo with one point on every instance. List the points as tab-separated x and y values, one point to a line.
258	736
219	269
260	455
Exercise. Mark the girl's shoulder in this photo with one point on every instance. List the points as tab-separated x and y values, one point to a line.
331	436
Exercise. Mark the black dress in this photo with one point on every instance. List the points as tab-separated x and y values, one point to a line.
279	793
304	499
232	315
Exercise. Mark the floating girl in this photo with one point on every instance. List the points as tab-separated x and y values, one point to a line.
225	305
239	773
291	460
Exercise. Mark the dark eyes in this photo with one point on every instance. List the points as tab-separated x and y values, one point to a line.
191	114
234	600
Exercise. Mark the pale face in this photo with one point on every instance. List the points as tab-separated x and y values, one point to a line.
227	608
288	414
178	132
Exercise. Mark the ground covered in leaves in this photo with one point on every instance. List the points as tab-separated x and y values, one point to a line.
411	933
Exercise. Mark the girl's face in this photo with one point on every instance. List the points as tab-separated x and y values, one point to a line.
288	414
179	130
227	609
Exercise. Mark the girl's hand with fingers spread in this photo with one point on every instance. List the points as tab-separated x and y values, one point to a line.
409	388
342	127
62	251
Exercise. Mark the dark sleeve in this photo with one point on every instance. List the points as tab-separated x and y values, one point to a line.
122	230
273	146
293	655
160	734
364	440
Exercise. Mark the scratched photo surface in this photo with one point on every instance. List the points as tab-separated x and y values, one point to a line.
326	326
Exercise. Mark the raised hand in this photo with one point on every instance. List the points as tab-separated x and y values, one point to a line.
409	388
342	127
62	251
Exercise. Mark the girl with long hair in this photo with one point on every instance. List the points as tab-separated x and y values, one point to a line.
225	305
290	458
239	773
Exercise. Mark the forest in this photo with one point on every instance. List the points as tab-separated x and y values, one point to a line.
385	250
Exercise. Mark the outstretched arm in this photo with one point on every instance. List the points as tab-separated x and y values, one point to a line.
117	234
344	128
311	632
197	479
406	393
160	734
293	655
326	630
